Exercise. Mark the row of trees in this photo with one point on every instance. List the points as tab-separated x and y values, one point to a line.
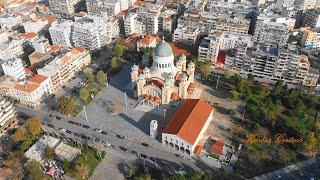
100	78
281	110
26	134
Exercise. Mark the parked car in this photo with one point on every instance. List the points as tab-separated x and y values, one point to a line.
145	144
152	159
58	117
86	126
62	130
68	131
104	132
97	130
71	122
97	140
123	149
120	136
135	153
77	134
23	115
50	125
143	155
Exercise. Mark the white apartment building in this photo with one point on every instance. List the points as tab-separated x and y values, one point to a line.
309	4
11	49
268	30
9	21
4	36
132	24
41	45
60	33
186	35
14	68
63	7
112	27
187	126
167	21
90	32
7	115
63	68
33	91
273	63
238	25
149	14
312	18
35	25
99	7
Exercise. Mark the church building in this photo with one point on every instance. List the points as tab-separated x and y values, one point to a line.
166	80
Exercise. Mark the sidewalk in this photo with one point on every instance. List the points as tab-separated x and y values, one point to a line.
286	169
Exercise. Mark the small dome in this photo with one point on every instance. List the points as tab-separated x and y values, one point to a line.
183	57
163	49
141	76
167	81
146	69
191	63
134	67
184	77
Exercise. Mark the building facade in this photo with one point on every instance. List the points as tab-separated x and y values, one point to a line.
7	115
164	81
60	33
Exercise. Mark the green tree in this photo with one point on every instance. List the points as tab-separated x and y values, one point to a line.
177	176
84	94
310	144
33	126
234	95
131	170
82	171
114	63
227	74
49	153
19	135
118	50
207	175
194	175
90	76
26	143
66	105
101	77
34	171
205	70
143	176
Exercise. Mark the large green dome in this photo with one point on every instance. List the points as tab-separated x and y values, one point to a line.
163	49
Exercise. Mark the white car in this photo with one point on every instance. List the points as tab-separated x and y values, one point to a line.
98	130
62	130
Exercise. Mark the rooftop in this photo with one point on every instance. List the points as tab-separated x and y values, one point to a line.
189	119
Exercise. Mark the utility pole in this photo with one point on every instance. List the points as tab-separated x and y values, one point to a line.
125	99
217	82
85	114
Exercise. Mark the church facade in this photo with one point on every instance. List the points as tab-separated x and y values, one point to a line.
166	80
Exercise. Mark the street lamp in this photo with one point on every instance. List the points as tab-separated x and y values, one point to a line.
85	114
125	99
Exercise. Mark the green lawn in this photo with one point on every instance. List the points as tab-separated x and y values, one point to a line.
90	157
76	110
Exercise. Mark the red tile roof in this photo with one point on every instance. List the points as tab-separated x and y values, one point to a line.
38	79
189	119
147	39
179	51
197	150
217	148
221	57
29	35
28	87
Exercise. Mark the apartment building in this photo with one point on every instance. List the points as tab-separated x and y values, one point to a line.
65	8
112	27
216	41
10	49
269	30
9	21
233	25
14	68
133	24
185	35
148	14
308	4
100	7
273	63
36	25
147	41
61	69
311	18
7	115
60	33
33	91
89	32
309	38
41	45
167	21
